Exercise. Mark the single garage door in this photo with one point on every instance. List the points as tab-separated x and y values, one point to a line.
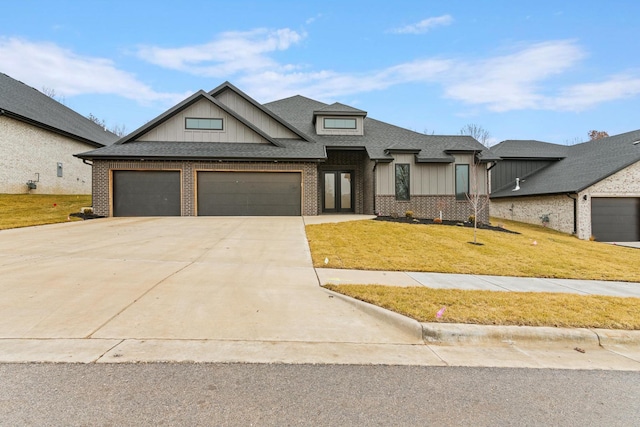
249	193
615	219
146	193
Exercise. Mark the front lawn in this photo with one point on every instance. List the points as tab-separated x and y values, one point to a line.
535	252
501	308
24	210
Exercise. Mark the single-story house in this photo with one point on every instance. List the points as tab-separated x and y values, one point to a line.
38	138
223	153
588	189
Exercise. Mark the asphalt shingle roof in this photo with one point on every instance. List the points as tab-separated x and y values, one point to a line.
584	165
25	103
297	113
529	149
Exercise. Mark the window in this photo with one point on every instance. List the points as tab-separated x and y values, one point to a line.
203	124
402	182
339	123
462	182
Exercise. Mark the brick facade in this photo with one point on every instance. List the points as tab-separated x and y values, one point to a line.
560	208
31	153
430	207
102	176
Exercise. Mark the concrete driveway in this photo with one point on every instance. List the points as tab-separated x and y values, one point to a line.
174	278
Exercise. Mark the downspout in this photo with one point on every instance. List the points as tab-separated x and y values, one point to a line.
87	162
575	213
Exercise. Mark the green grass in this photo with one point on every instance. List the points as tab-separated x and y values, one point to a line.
25	210
536	252
501	308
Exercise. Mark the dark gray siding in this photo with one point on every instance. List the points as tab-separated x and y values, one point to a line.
506	171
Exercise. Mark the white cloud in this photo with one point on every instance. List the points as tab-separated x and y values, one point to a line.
423	26
584	96
45	64
230	53
514	81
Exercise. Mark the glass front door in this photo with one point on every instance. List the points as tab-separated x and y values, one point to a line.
337	195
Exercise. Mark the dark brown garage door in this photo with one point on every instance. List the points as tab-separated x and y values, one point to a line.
249	193
146	193
615	219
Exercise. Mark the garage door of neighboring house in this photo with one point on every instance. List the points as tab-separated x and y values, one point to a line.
249	193
615	219
146	193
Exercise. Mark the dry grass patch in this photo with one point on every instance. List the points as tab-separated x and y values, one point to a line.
536	252
501	308
24	210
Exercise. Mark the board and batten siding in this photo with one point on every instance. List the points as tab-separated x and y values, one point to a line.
425	178
173	130
253	114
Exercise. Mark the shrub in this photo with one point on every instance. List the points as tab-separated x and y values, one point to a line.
408	214
437	221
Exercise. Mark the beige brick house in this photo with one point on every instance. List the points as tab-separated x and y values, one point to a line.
588	189
223	153
38	138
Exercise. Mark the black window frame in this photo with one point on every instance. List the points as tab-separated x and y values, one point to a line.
462	195
355	123
186	123
398	183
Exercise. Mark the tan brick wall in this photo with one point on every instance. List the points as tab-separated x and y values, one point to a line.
102	168
559	208
429	207
625	183
26	150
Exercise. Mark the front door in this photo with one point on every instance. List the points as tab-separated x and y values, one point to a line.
337	192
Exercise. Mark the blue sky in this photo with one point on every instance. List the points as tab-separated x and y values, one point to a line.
545	70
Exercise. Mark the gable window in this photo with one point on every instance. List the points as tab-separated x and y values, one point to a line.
462	182
203	124
339	123
402	181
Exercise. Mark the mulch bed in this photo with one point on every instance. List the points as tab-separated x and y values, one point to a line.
424	221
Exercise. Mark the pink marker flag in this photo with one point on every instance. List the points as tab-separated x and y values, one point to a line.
440	312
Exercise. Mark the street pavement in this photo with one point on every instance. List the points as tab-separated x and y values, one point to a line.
222	289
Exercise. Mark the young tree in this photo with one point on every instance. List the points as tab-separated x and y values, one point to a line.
477	197
478	132
97	121
597	134
119	130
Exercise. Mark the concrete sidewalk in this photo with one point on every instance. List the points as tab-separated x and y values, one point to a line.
478	282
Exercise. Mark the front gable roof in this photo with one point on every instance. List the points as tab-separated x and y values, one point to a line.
24	103
185	104
584	165
228	86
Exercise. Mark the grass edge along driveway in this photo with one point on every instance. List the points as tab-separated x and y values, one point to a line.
535	252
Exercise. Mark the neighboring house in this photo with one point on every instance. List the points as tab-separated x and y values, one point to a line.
223	153
38	137
588	189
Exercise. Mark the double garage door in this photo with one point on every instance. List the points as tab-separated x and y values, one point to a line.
157	193
615	219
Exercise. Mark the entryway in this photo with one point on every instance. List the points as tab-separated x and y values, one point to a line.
337	191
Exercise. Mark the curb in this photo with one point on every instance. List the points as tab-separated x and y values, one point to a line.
408	325
455	333
460	333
